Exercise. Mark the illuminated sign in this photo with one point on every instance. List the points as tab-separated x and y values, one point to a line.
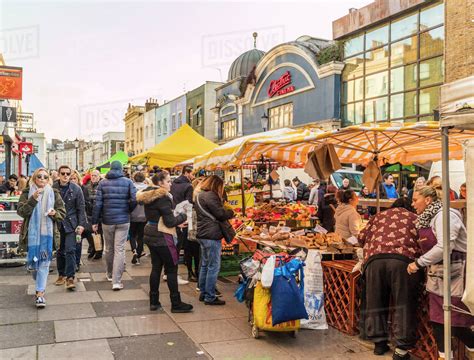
280	86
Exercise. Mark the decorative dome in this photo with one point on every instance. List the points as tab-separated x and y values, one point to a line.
245	62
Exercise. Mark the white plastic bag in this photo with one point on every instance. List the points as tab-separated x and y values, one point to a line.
267	272
314	292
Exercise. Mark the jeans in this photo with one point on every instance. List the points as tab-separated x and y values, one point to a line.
78	252
161	257
66	255
115	237
136	237
210	267
41	276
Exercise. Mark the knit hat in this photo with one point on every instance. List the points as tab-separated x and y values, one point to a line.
116	165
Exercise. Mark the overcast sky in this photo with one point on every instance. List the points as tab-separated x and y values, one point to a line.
84	61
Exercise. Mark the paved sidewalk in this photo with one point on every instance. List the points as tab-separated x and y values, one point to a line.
95	322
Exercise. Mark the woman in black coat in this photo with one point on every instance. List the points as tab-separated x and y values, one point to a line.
160	237
327	207
210	211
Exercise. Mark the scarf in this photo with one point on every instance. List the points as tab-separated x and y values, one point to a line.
40	229
424	219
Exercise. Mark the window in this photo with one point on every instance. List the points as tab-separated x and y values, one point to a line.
146	132
228	129
158	127
393	71
281	116
165	126
180	118
173	122
190	115
198	114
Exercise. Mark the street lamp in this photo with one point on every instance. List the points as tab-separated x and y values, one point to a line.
76	145
264	120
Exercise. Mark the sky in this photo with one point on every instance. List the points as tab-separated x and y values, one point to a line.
84	61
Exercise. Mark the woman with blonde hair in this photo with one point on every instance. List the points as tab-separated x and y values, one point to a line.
211	212
42	209
429	208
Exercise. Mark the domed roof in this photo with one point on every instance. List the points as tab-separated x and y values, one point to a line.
243	65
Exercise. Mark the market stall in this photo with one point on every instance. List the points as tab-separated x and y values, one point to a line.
118	156
10	227
171	151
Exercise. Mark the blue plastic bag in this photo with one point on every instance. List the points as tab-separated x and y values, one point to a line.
287	296
240	292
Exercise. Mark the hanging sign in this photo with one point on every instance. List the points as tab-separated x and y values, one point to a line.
8	114
11	82
280	86
26	148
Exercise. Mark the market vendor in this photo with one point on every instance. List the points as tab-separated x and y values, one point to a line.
348	220
390	242
430	228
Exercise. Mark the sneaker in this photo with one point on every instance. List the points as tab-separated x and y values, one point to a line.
181	308
197	288
134	258
181	281
381	348
138	261
108	277
201	298
165	277
70	284
218	293
78	268
60	281
216	301
117	287
91	255
398	356
40	302
97	256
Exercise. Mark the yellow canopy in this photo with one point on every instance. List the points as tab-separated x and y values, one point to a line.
182	145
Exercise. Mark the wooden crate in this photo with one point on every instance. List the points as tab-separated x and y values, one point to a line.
341	295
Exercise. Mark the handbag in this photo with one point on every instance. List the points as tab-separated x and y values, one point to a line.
165	229
97	241
226	228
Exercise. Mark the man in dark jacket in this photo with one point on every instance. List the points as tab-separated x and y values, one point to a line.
74	223
9	186
115	200
302	190
182	190
92	187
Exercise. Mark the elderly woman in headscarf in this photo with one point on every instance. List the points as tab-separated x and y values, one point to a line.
42	208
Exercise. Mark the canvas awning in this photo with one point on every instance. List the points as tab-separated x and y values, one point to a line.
182	145
118	156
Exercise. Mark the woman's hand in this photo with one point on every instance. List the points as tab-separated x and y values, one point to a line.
183	225
52	212
37	193
412	268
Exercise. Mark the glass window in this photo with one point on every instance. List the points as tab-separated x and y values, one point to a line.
190	115
376	37
353	68
229	129
165	126
376	60
432	16
403	105
432	71
429	99
173	122
353	90
359	113
354	46
281	116
376	85
158	127
404	52
180	119
432	42
348	91
377	107
349	114
403	78
404	27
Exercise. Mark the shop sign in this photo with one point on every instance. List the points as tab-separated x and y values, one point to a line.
10	227
11	82
8	114
235	201
281	86
26	148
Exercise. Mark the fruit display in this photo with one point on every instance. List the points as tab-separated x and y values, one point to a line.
278	212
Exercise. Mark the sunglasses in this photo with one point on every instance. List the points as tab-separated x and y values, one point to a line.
42	177
65	173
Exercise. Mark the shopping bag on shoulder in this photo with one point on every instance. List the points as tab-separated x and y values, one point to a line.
97	241
262	312
287	295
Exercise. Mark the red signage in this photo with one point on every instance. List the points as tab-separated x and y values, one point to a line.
279	87
25	148
11	82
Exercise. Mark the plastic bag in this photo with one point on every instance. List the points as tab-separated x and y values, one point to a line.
267	272
314	293
249	267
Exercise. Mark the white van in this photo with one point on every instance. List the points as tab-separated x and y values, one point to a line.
457	174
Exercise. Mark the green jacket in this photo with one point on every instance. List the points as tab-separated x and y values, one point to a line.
25	209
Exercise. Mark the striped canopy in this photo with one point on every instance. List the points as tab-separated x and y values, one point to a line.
391	143
226	155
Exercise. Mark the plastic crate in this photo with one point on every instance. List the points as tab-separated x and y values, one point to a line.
341	295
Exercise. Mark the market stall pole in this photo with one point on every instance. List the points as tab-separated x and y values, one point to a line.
242	188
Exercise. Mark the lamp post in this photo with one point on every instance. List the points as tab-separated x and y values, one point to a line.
76	145
264	120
